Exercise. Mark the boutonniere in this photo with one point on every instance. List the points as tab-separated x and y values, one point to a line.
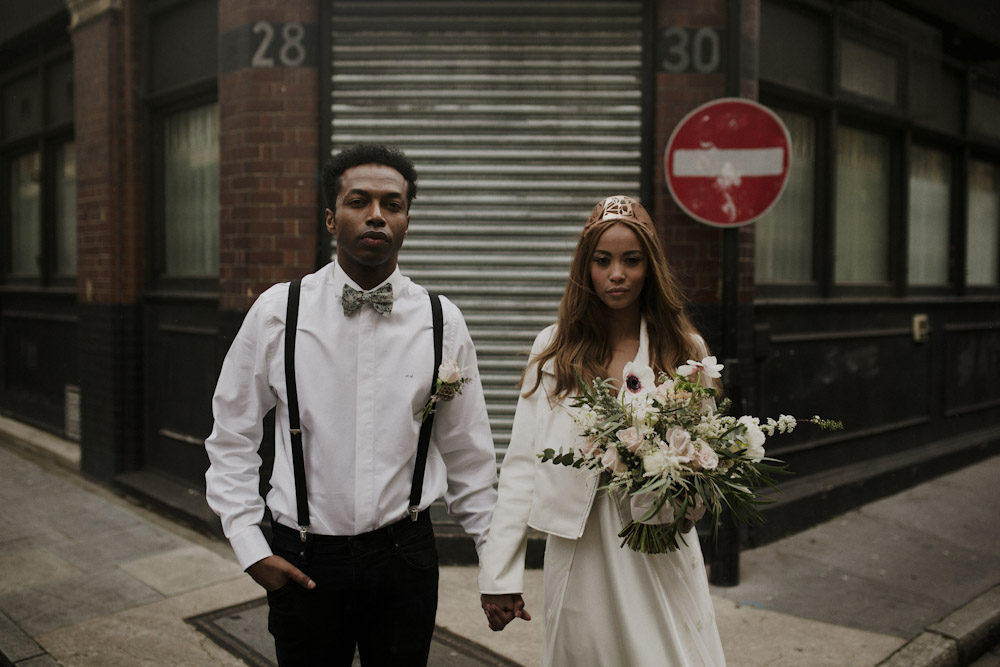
449	385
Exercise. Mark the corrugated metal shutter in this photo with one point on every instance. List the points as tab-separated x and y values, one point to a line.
519	117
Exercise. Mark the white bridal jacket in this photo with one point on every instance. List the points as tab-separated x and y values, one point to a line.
554	499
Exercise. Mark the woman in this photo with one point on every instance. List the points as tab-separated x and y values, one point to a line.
604	604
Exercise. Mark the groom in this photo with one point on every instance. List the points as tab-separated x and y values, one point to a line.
352	563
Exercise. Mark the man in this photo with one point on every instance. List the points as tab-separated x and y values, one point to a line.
361	573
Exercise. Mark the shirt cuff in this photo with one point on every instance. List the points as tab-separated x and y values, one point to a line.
250	546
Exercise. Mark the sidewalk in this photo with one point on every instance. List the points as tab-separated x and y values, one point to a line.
88	578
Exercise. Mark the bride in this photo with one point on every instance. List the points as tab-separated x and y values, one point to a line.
604	604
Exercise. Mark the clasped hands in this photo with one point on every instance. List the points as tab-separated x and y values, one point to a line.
502	609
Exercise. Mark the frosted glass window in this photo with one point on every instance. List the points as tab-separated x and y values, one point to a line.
867	71
862	222
66	209
191	192
984	110
784	235
930	212
26	214
984	218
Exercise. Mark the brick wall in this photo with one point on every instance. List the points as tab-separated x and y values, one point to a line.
269	209
694	250
107	130
111	230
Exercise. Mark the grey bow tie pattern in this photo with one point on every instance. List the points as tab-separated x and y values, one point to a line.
380	299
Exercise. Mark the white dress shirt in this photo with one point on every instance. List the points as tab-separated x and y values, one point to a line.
362	382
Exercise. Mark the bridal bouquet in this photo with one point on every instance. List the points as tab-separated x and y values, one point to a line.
671	452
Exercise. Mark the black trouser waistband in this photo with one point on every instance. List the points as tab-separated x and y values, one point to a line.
403	525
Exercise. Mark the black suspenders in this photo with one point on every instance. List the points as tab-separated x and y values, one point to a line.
294	429
425	428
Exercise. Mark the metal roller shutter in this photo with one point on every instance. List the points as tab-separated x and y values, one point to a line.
519	117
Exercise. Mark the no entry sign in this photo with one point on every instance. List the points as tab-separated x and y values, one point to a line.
727	161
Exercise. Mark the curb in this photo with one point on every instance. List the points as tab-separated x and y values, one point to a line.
955	640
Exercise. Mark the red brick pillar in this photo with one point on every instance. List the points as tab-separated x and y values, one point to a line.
110	228
268	146
694	250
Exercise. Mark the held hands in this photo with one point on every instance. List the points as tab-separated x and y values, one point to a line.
274	571
502	609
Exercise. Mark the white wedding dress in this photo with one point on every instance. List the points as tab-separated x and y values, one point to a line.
611	606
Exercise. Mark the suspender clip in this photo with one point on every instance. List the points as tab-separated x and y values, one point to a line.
303	531
414	511
295	431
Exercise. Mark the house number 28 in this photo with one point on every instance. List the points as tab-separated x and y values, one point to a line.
291	51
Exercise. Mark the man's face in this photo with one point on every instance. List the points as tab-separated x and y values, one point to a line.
370	220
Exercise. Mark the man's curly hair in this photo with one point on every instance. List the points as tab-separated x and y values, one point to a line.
359	154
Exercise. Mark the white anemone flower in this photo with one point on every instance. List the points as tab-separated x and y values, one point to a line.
638	380
709	367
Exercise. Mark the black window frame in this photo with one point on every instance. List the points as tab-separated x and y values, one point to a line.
836	107
36	62
186	91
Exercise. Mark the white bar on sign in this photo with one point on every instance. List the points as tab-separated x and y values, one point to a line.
714	162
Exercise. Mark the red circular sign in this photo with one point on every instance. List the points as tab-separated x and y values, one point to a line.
727	161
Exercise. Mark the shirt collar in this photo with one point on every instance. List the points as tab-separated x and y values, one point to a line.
340	278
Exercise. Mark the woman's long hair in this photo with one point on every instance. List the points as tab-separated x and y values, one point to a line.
580	348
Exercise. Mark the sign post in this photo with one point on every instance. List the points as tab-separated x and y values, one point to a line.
726	164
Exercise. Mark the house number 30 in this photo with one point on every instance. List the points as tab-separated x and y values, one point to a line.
291	51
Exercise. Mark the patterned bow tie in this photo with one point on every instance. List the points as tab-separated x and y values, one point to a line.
380	299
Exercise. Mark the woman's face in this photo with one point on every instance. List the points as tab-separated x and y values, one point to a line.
618	267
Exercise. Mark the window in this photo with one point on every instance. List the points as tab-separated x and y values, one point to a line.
26	215
867	71
862	215
930	213
191	192
65	209
983	240
784	235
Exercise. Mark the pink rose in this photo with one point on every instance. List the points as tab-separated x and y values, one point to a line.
680	442
630	438
611	462
707	458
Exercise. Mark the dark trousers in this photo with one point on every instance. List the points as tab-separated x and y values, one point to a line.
376	591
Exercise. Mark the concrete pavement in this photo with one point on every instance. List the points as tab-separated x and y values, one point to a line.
91	578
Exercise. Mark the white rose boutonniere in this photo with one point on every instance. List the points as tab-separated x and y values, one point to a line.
449	385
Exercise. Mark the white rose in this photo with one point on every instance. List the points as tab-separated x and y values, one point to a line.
680	442
655	462
754	438
449	371
664	391
611	462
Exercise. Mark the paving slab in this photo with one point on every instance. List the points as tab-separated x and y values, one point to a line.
38	609
15	645
33	567
777	580
182	569
879	549
114	547
753	637
156	633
